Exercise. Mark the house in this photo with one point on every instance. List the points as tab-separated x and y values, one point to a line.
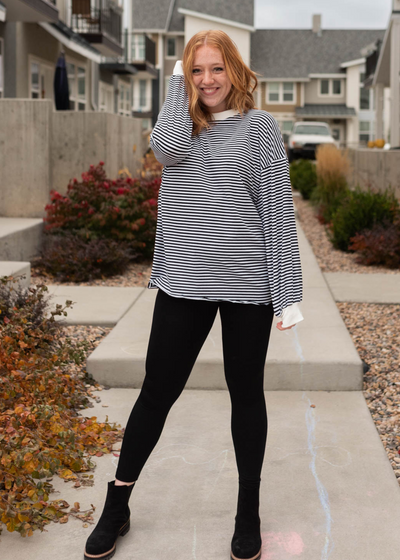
317	75
305	74
106	71
383	71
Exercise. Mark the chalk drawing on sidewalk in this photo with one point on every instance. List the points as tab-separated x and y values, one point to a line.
274	544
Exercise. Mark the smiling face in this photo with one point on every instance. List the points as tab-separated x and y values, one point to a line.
210	78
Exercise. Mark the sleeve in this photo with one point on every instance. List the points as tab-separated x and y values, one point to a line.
171	137
276	208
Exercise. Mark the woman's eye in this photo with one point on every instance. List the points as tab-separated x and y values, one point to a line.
219	69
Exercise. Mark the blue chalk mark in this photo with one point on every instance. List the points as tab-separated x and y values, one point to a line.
322	492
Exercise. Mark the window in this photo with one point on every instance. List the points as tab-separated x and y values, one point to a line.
124	100
273	92
145	124
337	87
324	88
364	94
106	97
330	87
364	131
35	79
138	47
77	86
171	47
142	93
1	68
281	92
288	94
41	79
81	81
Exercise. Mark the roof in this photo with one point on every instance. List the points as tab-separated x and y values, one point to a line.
153	14
296	53
325	110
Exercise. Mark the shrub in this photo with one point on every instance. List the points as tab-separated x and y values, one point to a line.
379	245
41	432
124	209
68	257
333	167
361	210
303	177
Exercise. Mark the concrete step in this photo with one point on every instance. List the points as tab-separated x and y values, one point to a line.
317	354
20	238
364	288
17	268
327	491
93	305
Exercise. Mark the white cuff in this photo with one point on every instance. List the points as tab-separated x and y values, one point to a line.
291	315
178	69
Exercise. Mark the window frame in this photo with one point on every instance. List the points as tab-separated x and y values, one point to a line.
124	102
106	89
74	96
170	56
330	87
138	42
281	93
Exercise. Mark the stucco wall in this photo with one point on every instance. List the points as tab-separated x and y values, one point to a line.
41	149
374	167
311	93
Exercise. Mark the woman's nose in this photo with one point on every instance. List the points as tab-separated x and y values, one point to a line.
208	78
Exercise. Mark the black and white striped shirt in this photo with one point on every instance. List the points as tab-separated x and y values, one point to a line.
226	226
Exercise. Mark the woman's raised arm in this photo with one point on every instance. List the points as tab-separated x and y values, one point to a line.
171	138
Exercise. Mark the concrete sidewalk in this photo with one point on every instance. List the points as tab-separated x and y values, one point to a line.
364	288
328	489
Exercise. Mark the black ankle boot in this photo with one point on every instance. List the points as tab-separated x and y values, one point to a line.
246	540
113	522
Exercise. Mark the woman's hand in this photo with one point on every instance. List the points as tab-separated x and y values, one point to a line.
279	326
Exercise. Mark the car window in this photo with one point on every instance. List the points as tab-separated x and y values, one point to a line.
312	129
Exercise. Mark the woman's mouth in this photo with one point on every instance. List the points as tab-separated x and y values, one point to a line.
209	91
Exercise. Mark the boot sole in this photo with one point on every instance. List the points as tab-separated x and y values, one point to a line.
256	557
110	553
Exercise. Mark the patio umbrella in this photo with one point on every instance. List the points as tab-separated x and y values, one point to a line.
61	94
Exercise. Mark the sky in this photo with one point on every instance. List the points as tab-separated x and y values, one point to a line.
336	14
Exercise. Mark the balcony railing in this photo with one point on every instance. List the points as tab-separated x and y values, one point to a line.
86	19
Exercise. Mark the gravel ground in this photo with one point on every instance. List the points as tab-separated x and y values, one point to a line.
330	259
374	329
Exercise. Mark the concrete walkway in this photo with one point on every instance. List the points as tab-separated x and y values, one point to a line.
328	490
364	288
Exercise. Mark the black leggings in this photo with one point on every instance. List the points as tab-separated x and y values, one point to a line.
179	329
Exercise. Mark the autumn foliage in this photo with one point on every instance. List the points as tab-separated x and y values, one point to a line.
41	430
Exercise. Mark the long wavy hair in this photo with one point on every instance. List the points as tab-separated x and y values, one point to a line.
244	81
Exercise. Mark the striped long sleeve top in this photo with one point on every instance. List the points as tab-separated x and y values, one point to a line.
226	226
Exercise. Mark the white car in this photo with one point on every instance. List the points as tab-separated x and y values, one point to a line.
306	136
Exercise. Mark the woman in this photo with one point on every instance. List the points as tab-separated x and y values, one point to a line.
226	239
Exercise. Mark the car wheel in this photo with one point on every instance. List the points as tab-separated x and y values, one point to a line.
290	156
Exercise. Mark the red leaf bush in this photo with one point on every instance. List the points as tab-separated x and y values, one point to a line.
95	208
379	245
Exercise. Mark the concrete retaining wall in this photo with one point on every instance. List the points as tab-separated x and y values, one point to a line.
377	168
41	149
